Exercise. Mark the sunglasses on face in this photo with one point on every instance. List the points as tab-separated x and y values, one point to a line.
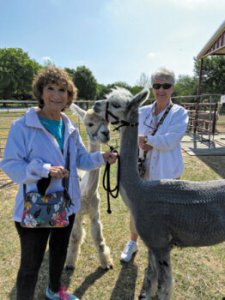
165	86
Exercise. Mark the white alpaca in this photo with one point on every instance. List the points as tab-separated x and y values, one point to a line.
98	132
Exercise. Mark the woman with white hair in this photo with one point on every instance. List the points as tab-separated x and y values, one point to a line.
162	125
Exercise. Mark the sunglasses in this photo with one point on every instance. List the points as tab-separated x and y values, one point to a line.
165	86
151	125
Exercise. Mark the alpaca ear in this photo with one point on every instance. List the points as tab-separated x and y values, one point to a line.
78	111
138	99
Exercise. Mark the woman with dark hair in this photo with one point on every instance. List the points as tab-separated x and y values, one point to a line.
37	147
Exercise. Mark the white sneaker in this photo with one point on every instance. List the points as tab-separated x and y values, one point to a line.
129	251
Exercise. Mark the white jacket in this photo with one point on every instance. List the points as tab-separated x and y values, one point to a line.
165	160
31	150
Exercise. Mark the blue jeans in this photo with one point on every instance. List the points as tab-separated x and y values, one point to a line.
33	245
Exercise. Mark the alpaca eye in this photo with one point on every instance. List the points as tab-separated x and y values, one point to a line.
90	124
115	105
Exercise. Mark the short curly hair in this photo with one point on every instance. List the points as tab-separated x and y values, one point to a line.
53	75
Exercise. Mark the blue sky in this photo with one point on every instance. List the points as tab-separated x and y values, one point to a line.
116	39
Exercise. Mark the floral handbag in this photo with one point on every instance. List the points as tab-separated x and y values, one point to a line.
49	210
46	210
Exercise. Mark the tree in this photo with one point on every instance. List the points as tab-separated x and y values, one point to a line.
71	72
85	83
185	85
103	90
213	74
144	81
121	84
16	73
136	89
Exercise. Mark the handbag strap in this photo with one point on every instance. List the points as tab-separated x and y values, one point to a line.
65	181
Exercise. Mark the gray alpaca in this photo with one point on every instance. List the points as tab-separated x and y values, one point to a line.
98	132
167	213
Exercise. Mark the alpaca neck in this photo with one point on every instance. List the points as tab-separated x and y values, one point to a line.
92	176
93	147
128	157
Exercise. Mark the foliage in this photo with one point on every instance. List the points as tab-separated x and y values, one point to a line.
85	83
71	72
136	89
213	74
16	73
121	84
103	90
185	85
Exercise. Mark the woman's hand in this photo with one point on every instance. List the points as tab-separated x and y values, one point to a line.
143	145
110	157
59	172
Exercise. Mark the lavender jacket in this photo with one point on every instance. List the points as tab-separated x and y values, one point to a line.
31	150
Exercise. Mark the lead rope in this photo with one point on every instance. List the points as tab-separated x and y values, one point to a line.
113	192
157	126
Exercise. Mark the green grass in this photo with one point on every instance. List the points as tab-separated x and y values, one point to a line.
198	273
